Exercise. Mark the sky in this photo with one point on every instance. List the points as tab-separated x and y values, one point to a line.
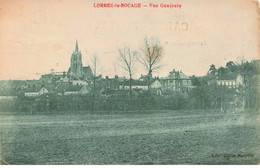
37	36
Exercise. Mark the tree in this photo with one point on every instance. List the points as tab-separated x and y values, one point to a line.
221	72
246	70
195	81
151	50
232	67
96	71
212	69
95	68
127	59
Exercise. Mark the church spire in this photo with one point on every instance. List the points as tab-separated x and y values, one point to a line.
77	48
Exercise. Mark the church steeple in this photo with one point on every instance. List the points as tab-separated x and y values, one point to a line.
77	48
76	68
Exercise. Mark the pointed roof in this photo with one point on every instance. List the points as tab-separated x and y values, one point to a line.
177	74
62	87
76	48
87	69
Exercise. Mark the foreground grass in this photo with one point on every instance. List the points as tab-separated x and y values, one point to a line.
168	137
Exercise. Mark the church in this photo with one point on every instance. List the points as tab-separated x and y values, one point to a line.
76	70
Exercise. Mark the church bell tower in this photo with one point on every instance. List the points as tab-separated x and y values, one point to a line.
76	68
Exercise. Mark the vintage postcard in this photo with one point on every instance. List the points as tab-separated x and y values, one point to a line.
129	82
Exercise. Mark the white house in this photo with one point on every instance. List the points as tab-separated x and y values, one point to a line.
143	87
156	87
239	81
136	84
77	90
176	81
42	91
230	83
156	84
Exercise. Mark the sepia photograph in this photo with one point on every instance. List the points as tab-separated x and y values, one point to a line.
129	82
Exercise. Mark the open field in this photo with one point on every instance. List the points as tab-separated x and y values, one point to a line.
167	137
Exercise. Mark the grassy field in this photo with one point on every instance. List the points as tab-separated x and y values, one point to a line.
152	137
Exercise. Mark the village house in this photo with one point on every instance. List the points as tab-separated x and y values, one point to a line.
141	85
144	77
77	90
176	81
35	92
61	88
156	87
156	84
135	84
227	81
64	79
108	83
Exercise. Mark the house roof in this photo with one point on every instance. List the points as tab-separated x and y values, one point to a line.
144	77
74	88
227	76
182	75
61	87
177	74
134	83
154	82
50	86
121	79
33	89
87	69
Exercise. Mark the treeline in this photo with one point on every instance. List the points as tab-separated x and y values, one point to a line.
198	98
145	101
